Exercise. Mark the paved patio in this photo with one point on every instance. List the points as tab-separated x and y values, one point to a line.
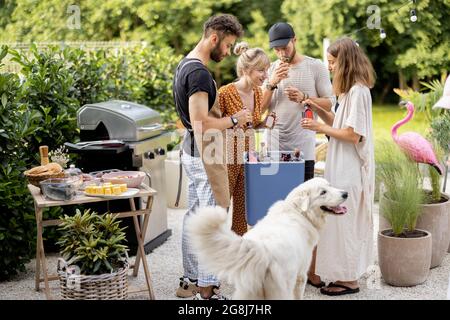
166	268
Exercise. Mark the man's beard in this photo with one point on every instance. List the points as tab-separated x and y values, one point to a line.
289	59
215	54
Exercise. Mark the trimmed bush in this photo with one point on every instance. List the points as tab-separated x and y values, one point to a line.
17	222
40	106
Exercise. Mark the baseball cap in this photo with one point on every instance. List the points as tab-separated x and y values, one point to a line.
280	34
444	101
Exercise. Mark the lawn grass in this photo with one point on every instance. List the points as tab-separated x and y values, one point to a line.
384	117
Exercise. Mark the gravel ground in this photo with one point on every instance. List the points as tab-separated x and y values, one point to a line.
166	267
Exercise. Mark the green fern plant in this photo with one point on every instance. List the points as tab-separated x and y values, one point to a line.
94	243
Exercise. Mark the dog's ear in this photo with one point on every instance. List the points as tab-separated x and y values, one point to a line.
300	200
303	201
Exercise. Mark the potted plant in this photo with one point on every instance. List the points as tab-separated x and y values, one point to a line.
435	215
436	206
404	252
94	262
440	131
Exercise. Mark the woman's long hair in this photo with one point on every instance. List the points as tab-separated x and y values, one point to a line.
352	66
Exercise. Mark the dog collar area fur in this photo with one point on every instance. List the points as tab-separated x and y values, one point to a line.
303	213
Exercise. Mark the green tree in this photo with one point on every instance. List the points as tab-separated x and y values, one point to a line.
411	51
175	23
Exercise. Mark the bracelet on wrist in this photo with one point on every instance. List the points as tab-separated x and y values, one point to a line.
303	98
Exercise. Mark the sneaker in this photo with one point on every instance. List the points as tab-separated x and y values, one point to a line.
188	288
215	296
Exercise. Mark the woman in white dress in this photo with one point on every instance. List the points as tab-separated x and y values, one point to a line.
345	247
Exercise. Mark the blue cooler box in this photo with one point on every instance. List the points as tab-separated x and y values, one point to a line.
265	185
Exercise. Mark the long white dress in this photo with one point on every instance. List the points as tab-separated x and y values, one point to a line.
345	249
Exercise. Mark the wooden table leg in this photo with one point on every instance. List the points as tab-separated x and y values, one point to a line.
144	230
38	214
41	254
138	254
45	272
147	216
140	239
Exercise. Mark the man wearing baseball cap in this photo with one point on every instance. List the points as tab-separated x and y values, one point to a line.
292	80
280	34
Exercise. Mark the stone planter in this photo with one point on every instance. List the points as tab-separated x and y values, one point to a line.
434	218
404	261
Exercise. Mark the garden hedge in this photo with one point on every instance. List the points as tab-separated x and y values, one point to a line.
38	106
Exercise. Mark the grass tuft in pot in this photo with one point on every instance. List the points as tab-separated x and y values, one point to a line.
401	181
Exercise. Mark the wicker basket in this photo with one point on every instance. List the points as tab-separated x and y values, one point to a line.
35	179
108	286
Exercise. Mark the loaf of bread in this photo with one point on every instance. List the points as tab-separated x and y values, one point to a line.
51	168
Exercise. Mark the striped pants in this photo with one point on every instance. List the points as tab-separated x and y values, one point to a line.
200	195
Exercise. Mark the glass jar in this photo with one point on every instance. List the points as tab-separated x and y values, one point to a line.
75	174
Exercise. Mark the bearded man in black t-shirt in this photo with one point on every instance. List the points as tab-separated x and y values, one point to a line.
194	92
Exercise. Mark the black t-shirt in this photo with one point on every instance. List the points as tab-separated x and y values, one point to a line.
191	76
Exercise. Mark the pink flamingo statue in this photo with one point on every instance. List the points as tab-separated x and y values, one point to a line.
413	144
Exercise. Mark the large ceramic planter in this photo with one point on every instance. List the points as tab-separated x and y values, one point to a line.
434	218
404	262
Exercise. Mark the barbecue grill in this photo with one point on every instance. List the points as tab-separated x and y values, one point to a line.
126	136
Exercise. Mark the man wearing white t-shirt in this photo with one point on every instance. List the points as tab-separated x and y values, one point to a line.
292	79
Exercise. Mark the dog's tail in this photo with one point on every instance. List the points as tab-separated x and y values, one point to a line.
223	252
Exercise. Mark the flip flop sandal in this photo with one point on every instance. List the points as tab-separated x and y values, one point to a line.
347	290
317	285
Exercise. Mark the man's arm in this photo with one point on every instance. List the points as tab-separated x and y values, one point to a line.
325	103
201	121
275	76
324	88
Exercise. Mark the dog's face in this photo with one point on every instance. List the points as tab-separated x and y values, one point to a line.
315	199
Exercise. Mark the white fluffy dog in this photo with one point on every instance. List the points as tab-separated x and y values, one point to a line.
271	260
